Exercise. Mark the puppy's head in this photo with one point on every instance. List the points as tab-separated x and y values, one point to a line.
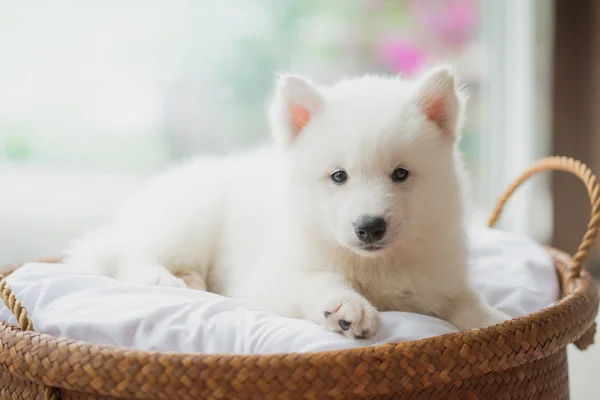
372	161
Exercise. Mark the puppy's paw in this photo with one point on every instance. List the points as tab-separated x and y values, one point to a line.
151	275
351	315
192	280
168	280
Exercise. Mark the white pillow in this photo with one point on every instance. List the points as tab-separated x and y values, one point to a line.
512	273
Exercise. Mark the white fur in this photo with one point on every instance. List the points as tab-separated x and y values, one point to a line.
271	227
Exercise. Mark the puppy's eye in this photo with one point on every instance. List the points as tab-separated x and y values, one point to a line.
340	176
400	174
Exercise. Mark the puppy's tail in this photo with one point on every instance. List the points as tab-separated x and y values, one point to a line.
96	252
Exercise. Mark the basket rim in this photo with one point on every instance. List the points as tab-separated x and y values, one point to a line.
420	363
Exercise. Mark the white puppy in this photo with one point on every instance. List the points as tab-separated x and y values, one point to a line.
356	208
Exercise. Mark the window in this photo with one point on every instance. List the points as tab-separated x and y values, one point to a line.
95	95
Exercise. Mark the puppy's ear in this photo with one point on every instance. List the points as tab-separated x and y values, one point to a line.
295	102
440	100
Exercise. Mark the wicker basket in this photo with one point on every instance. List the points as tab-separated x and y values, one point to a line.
521	358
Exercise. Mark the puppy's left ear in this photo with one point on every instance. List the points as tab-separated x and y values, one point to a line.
441	101
295	103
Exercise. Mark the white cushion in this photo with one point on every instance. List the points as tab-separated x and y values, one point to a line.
512	273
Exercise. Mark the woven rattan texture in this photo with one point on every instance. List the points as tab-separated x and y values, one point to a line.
520	359
544	379
481	360
585	175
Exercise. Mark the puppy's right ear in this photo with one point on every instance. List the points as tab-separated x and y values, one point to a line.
295	102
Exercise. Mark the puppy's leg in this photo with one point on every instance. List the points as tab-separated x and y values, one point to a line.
468	311
192	279
323	298
148	274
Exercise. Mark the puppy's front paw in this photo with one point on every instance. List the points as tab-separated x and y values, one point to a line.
170	281
351	315
150	274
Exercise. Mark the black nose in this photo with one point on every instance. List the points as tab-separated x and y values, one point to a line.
369	229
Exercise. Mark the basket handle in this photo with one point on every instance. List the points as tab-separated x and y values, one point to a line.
584	173
25	323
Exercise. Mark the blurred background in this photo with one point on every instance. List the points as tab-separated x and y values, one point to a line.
95	95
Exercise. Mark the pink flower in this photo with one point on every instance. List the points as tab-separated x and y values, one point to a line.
451	20
400	55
